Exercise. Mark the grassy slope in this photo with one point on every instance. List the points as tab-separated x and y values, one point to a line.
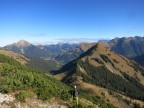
20	58
104	68
14	76
22	80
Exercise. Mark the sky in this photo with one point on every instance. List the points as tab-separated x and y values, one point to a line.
40	21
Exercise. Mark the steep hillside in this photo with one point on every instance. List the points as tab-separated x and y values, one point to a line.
22	86
43	65
34	62
100	68
128	46
68	56
139	59
23	82
14	76
20	58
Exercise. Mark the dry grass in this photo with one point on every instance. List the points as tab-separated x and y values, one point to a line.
121	64
118	65
113	99
18	57
60	76
86	46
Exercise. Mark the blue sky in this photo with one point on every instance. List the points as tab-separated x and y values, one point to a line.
46	20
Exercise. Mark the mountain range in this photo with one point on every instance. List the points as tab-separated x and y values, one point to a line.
105	77
128	46
62	52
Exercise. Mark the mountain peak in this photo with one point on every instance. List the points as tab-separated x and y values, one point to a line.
102	45
85	46
95	49
22	43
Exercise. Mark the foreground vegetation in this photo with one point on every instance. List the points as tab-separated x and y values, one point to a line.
16	77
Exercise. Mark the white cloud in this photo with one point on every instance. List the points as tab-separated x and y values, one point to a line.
2	44
69	40
78	40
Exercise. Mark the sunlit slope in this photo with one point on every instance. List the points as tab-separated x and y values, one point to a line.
104	68
15	76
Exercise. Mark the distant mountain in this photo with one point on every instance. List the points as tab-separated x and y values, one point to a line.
58	54
57	49
48	57
128	46
100	68
28	49
65	52
22	43
73	53
104	40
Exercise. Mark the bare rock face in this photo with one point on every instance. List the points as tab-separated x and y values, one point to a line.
6	98
35	104
22	43
7	101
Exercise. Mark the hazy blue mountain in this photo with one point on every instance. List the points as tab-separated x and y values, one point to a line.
65	52
28	49
57	49
128	46
104	40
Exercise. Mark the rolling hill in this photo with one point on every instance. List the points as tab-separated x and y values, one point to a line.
113	77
